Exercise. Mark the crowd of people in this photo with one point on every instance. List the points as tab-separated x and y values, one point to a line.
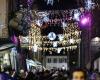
53	74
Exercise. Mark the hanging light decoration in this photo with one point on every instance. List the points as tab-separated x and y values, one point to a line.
64	24
59	50
52	36
23	20
54	44
89	4
50	2
39	22
61	37
76	15
85	20
46	19
35	48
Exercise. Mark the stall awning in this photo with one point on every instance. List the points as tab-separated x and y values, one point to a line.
6	46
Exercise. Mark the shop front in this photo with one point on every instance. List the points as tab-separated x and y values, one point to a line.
5	57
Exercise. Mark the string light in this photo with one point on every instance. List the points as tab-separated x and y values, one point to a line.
63	43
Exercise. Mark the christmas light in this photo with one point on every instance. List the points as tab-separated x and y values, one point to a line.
54	44
89	4
64	24
71	41
39	23
76	15
52	36
35	48
46	19
60	36
85	20
50	2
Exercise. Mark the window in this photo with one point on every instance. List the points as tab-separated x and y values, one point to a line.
55	60
49	60
65	60
60	60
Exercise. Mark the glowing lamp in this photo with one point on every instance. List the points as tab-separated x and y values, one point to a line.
85	20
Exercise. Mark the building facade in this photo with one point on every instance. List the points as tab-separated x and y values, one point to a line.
59	62
4	19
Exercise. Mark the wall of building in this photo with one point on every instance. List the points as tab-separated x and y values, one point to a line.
60	62
97	64
3	18
4	59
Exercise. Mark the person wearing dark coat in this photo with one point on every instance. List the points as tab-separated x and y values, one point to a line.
5	76
31	76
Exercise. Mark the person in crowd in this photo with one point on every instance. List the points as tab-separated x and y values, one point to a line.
22	75
31	76
79	74
14	75
95	75
5	75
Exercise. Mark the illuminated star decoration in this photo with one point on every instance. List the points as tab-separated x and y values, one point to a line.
50	2
89	4
77	15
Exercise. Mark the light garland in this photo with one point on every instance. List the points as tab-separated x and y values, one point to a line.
72	47
70	32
